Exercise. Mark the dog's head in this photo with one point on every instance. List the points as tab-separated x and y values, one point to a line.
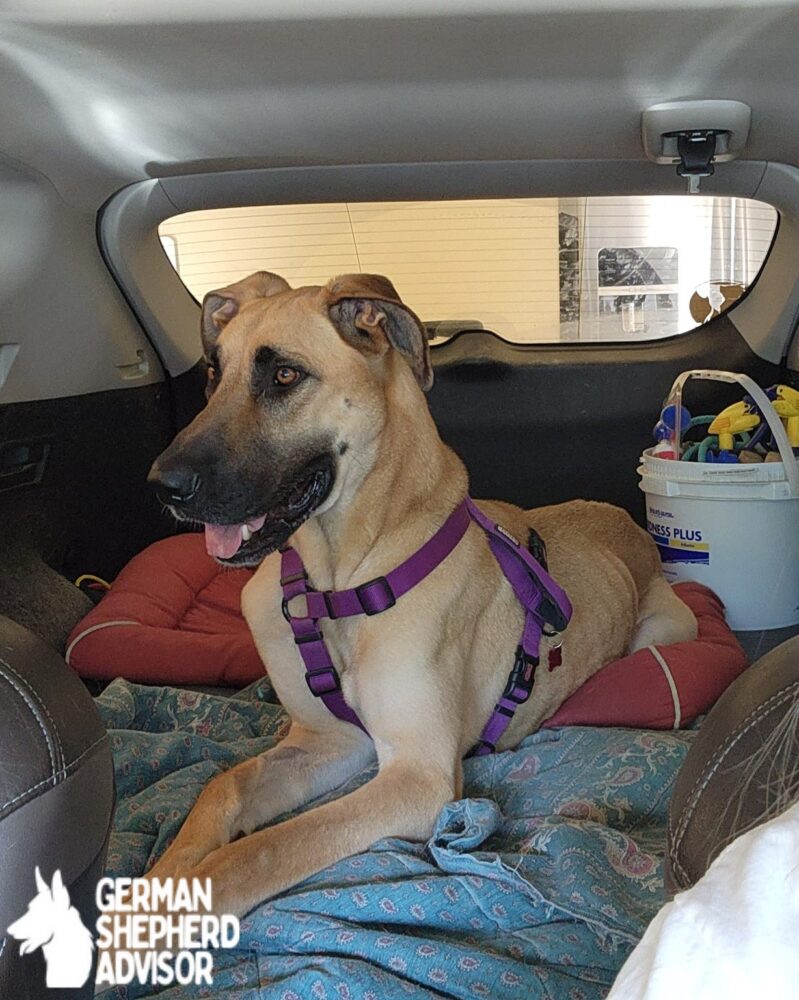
45	914
299	383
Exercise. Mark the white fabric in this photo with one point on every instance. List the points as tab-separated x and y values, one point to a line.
94	628
675	697
735	934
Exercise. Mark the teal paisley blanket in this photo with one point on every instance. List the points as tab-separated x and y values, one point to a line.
536	884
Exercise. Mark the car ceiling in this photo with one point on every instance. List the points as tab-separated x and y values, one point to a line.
96	97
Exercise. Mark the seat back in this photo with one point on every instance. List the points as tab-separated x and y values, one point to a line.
743	768
56	803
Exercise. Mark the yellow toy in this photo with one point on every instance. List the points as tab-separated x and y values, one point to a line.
734	420
787	406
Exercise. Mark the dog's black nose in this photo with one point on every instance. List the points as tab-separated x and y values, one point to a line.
176	484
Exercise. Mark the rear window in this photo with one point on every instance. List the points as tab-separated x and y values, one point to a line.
533	270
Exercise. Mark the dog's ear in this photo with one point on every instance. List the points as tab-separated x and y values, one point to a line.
60	894
41	885
368	313
221	305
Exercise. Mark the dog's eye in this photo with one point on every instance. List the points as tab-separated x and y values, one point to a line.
286	376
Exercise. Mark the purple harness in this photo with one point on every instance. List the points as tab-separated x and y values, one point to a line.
546	606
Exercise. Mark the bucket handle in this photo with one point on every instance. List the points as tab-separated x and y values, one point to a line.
764	403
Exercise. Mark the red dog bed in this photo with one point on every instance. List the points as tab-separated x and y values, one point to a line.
173	617
662	687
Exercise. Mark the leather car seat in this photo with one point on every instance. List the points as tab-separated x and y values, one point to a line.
742	769
56	798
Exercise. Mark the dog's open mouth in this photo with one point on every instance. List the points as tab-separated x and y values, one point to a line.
249	542
224	540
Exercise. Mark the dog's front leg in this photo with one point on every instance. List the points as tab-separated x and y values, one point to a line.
306	764
403	800
406	698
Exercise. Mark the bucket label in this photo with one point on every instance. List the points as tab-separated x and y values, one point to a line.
677	544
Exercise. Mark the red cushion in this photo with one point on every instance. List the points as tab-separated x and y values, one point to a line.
641	692
173	617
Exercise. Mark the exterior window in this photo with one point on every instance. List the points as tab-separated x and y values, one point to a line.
639	285
533	270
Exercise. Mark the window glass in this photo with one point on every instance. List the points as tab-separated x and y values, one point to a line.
534	270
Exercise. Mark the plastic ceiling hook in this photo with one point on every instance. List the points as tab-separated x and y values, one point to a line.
695	135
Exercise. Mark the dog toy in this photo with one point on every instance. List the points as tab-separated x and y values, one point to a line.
665	431
787	406
733	420
721	457
785	401
739	433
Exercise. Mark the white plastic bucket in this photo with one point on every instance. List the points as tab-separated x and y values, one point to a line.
734	528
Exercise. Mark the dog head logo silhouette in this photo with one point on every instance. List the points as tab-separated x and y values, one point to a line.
53	924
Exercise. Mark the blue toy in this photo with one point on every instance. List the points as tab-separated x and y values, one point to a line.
665	431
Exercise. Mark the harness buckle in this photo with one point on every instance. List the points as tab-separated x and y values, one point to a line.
551	614
331	614
328	673
520	680
301	640
382	601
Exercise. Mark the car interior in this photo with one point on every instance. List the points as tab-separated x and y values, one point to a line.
492	158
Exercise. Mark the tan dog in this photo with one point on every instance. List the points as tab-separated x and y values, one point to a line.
317	429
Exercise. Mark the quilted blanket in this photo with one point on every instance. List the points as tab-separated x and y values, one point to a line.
536	884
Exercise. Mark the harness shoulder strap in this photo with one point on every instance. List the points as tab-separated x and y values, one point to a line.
547	611
382	593
535	589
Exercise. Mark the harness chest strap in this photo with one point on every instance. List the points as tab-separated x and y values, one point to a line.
547	611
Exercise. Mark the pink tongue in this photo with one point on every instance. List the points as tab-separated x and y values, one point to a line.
223	540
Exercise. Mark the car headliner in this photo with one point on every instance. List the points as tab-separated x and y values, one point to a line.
96	97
